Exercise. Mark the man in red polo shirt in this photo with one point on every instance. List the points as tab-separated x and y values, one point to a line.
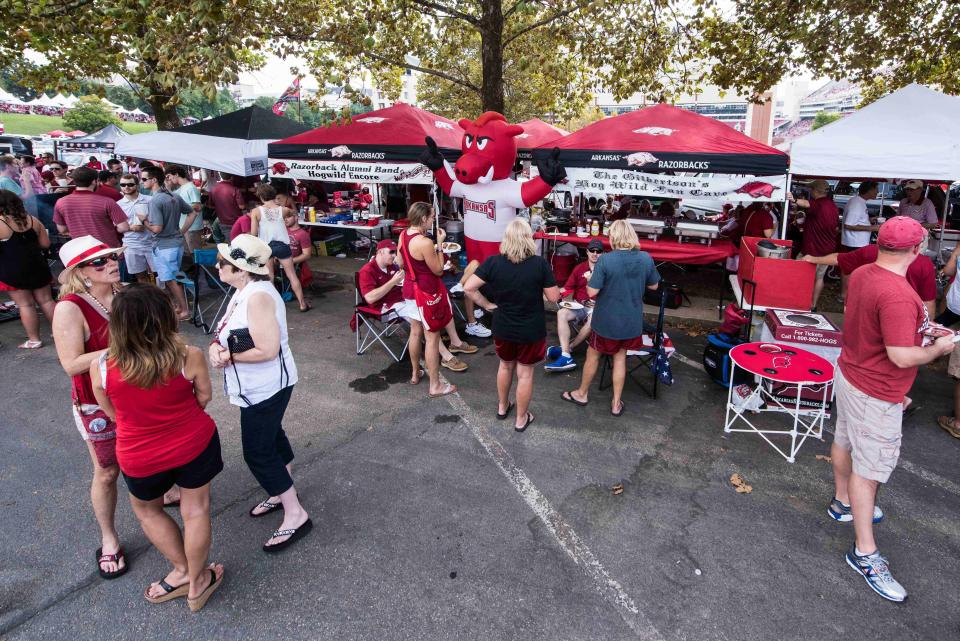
228	201
820	228
882	349
85	213
921	274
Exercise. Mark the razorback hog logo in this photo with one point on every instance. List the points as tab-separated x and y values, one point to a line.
439	124
757	189
654	131
487	209
489	149
279	168
340	151
640	159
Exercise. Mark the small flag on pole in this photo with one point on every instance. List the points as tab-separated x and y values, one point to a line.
292	94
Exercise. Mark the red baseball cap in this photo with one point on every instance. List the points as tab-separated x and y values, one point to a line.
900	232
386	244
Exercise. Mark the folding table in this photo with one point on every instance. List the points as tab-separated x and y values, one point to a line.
783	364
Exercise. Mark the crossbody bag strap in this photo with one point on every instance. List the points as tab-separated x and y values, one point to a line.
407	260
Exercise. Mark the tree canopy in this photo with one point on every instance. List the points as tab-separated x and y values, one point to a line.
823	119
89	115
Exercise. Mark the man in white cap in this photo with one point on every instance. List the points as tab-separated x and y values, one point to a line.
915	205
882	349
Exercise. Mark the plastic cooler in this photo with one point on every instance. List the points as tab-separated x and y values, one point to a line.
781	282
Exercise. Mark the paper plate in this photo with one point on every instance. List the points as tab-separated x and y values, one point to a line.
570	304
450	248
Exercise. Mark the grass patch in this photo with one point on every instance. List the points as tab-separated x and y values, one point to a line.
36	125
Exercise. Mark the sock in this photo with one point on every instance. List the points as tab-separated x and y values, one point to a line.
566	354
857	551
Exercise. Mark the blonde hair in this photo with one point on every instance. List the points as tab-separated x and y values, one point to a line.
144	343
623	236
73	285
419	213
517	244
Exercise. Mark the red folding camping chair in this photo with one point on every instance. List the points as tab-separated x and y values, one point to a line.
373	326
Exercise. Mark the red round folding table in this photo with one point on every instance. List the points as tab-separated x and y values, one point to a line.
781	364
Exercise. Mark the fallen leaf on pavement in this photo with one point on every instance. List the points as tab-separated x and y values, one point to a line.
821	457
739	484
617	489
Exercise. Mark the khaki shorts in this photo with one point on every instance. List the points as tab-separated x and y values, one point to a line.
870	428
953	368
821	269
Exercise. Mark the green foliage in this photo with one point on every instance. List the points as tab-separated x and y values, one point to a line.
194	103
89	115
823	118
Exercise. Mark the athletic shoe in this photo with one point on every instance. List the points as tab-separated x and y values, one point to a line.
841	512
463	348
456	289
562	364
454	364
875	571
478	330
554	352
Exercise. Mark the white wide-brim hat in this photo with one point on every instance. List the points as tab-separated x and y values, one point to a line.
246	252
80	250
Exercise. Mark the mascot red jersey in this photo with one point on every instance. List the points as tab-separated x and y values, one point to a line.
481	177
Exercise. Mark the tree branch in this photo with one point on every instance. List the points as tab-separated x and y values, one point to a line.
430	72
447	10
509	12
539	23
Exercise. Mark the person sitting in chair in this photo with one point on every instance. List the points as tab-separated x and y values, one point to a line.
559	357
381	286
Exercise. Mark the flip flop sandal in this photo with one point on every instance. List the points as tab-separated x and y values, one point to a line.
949	425
112	558
30	345
525	425
197	604
623	406
449	389
306	309
294	535
266	505
170	592
419	378
568	397
501	417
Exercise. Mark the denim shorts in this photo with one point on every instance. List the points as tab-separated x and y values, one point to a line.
280	250
167	262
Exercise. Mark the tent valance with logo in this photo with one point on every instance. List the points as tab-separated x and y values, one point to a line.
235	143
641	153
381	146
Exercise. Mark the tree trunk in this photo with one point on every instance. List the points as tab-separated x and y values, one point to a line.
491	56
166	117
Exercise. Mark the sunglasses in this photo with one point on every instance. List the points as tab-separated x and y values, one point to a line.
594	251
128	184
101	261
391	251
56	168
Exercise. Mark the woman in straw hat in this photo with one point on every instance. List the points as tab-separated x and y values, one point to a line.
89	280
251	348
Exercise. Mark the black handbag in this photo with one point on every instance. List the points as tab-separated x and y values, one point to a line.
673	296
239	341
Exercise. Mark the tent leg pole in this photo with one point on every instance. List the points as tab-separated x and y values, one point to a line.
785	214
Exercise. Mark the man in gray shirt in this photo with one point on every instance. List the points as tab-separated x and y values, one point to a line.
164	221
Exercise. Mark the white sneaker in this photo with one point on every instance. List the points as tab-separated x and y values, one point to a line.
478	330
477	313
456	289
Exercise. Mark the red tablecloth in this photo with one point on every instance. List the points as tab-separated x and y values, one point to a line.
662	250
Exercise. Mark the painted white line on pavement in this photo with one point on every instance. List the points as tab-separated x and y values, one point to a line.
562	532
926	475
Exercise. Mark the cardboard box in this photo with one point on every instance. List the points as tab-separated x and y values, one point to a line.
807	329
331	245
781	283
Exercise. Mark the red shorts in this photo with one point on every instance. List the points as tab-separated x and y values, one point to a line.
610	346
480	250
523	353
6	288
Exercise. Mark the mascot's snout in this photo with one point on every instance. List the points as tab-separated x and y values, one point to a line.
473	169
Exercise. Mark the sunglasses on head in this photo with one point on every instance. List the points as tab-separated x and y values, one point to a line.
100	261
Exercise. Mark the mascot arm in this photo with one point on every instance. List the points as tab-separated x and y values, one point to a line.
551	173
433	159
534	191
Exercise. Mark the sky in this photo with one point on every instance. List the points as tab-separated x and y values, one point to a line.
275	76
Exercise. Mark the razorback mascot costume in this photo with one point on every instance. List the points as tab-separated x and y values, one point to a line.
481	177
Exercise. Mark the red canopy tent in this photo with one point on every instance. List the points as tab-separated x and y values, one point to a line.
536	133
76	133
379	146
57	133
666	138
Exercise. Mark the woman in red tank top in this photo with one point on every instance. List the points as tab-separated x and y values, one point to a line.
422	267
80	330
156	387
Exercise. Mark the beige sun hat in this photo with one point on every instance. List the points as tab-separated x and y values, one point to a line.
80	250
246	252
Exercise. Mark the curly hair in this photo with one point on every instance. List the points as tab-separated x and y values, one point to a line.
11	205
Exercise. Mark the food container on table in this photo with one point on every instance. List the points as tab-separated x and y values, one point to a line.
769	249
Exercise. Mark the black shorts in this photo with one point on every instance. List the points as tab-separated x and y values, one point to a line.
192	475
280	250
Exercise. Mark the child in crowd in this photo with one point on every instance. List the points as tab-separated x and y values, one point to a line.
300	246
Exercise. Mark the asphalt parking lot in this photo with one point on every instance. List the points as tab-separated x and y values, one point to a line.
433	520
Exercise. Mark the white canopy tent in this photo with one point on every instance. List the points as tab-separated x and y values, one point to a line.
60	100
912	133
72	100
9	98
